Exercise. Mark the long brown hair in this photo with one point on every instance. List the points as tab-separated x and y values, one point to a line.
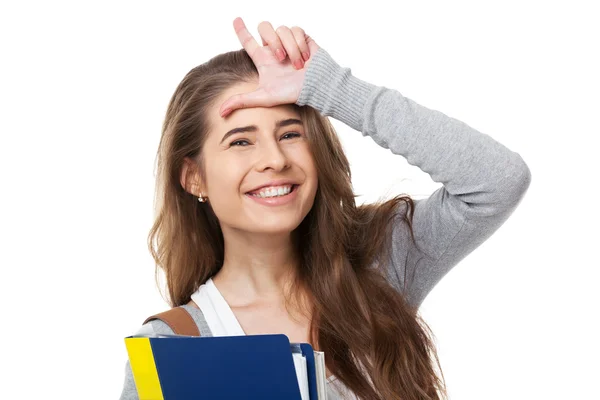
375	342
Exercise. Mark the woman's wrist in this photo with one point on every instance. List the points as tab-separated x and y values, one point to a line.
334	91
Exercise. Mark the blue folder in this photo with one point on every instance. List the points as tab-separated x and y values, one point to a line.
228	367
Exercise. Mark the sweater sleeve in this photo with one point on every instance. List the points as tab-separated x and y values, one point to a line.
483	181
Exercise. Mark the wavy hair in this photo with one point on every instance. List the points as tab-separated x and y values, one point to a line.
375	342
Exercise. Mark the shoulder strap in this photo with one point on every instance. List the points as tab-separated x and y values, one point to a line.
179	320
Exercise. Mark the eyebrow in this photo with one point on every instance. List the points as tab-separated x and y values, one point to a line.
254	128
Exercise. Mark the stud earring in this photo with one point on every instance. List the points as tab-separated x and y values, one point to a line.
202	199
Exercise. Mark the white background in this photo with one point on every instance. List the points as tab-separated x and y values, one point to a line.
84	88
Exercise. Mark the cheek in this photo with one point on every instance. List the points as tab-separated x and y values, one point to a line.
223	185
223	177
304	159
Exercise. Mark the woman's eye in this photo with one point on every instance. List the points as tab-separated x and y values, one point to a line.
291	135
240	142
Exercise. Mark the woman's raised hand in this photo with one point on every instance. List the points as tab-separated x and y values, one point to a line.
281	65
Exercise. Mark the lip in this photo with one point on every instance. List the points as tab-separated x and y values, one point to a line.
276	201
279	182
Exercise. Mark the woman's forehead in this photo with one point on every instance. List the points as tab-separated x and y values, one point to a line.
261	117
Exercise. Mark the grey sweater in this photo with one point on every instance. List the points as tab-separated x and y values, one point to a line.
483	182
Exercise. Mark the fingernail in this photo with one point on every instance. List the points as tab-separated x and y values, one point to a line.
298	64
280	54
225	112
305	56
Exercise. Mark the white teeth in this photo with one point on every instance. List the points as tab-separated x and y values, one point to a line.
273	191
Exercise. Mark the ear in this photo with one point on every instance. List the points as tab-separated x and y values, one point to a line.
190	178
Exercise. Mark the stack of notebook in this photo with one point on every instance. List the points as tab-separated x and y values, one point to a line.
173	367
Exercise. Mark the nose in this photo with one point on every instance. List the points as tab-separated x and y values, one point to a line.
272	157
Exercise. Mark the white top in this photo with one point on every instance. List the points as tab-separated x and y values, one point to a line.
219	316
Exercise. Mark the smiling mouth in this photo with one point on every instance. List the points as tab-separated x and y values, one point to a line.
274	193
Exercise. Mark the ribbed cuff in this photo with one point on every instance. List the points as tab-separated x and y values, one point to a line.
333	91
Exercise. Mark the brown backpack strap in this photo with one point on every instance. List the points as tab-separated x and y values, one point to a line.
179	320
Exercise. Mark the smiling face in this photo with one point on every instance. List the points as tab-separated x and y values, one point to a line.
260	174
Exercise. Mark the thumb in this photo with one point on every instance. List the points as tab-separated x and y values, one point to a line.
312	45
257	98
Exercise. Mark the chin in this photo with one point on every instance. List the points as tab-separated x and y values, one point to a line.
275	227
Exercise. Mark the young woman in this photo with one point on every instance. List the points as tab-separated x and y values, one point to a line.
257	230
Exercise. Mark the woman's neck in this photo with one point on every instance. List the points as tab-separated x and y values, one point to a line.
256	268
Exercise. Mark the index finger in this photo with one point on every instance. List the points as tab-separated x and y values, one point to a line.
245	37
